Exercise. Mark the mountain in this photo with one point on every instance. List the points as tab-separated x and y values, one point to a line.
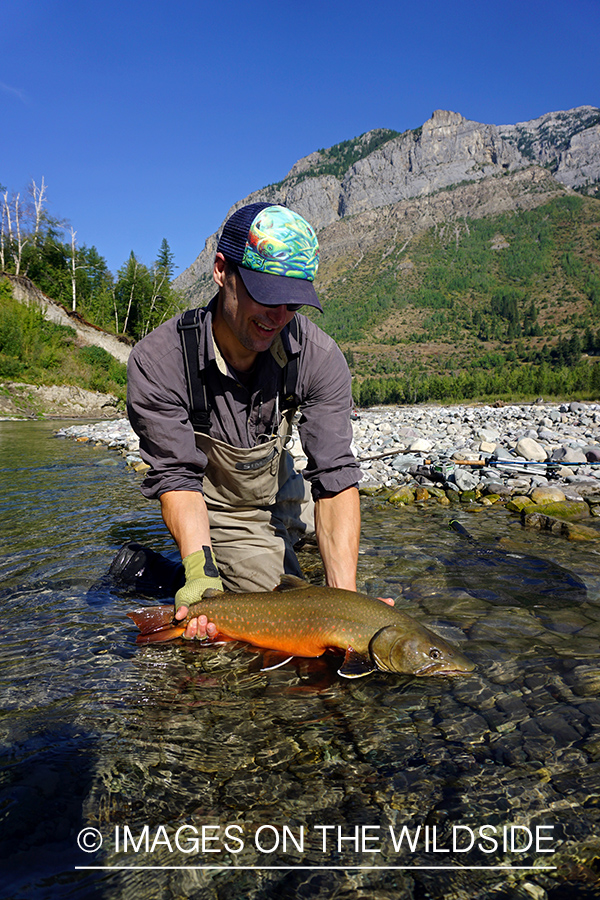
453	252
385	186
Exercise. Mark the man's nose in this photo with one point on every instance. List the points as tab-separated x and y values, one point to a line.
277	314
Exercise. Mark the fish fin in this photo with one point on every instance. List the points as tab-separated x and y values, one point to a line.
152	618
291	583
209	593
460	529
355	665
273	659
163	634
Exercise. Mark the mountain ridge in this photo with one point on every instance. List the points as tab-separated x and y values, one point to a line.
398	177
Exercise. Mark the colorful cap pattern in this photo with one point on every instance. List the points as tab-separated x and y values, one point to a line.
281	242
277	253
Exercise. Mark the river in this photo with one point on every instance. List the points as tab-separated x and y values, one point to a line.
185	771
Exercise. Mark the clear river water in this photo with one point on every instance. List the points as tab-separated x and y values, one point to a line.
180	770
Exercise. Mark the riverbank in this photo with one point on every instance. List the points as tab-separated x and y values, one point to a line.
524	456
67	401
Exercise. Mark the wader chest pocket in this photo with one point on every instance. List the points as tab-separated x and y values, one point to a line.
256	463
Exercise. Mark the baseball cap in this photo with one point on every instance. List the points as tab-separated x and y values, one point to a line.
276	252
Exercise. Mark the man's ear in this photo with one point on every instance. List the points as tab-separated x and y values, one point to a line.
219	270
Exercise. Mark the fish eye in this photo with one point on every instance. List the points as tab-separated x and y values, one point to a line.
434	653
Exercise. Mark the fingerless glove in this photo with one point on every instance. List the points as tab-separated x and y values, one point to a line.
200	573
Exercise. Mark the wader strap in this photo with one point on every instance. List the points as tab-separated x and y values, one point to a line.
188	327
189	330
290	375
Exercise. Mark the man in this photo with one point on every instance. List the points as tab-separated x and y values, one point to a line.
211	396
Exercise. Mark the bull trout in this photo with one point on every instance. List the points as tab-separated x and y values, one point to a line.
300	619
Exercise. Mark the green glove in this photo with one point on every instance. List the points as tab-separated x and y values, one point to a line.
200	573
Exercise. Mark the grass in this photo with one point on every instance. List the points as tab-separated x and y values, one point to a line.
35	351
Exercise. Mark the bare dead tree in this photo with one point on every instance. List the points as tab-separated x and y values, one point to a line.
114	297
16	237
131	292
3	239
159	278
74	268
38	195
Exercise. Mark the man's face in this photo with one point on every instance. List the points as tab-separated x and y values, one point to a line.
242	324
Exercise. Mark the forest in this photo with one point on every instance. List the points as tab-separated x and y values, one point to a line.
45	249
505	307
500	306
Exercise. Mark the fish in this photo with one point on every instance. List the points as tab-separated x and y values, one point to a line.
302	620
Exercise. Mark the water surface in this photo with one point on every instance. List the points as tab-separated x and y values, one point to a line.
296	782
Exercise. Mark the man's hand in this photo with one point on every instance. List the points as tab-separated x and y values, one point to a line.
199	628
201	574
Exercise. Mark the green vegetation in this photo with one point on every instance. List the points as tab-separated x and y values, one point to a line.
338	159
508	382
496	307
36	351
35	245
477	304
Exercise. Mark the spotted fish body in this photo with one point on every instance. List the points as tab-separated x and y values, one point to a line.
299	619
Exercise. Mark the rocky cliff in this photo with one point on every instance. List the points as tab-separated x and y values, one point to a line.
389	186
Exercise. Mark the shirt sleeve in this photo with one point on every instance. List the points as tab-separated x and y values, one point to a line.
325	428
157	406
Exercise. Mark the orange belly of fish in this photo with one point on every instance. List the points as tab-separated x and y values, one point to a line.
295	645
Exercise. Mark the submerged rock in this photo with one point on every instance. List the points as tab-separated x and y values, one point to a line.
571	530
562	509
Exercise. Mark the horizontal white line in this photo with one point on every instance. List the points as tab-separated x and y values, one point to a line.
311	868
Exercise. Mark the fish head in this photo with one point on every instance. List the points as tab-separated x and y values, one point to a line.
416	651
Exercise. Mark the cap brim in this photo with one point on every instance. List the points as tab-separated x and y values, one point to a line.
275	290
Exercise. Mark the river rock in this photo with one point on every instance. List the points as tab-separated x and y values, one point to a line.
441	435
420	446
546	494
404	494
569	455
489	435
518	502
571	530
529	449
465	480
565	509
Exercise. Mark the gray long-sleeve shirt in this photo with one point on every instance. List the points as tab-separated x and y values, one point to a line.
158	405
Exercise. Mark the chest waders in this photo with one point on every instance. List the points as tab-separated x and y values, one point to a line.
258	505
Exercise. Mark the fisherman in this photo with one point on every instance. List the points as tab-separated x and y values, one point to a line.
211	395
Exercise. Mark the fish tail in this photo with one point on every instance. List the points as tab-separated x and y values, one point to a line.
151	619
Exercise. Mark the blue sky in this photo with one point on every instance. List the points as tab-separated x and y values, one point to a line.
149	120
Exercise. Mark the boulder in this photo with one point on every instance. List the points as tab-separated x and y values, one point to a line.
529	449
569	455
402	495
565	509
546	494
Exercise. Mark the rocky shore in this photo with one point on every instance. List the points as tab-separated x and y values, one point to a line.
540	460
